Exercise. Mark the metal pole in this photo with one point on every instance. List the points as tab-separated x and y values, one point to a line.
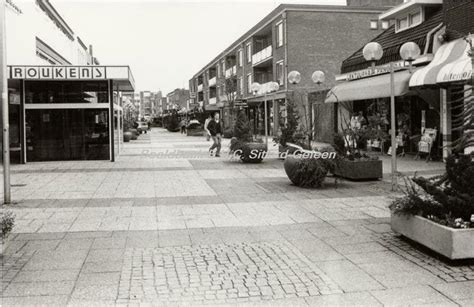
5	121
393	130
266	124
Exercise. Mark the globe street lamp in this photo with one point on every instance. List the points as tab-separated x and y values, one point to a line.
318	77
268	88
409	52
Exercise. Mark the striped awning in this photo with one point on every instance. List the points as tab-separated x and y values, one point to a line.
459	69
445	54
370	88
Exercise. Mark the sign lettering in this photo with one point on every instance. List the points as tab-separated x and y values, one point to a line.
58	72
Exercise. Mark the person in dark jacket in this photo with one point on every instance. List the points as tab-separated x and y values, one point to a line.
215	129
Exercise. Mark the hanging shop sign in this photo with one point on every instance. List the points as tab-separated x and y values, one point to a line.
58	72
369	72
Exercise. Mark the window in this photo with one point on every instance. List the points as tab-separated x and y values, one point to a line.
374	25
219	72
249	83
248	52
385	25
240	57
279	73
66	92
411	20
279	28
415	18
241	85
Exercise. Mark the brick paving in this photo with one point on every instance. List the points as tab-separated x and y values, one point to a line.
187	229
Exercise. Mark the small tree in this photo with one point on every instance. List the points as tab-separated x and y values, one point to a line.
290	132
172	123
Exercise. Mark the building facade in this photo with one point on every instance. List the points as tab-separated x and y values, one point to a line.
62	104
429	96
304	38
178	99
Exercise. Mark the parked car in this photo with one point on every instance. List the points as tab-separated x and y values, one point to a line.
142	127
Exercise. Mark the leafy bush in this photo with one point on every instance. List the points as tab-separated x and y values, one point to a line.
172	124
7	221
228	133
289	131
447	199
242	128
307	173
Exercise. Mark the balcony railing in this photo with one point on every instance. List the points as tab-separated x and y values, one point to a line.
231	71
200	88
213	100
264	88
212	81
262	55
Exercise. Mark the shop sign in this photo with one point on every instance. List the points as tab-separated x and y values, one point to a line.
58	72
451	77
369	72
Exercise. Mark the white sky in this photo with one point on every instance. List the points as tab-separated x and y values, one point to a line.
164	42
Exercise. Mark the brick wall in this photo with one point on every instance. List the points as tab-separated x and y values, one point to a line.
458	17
320	41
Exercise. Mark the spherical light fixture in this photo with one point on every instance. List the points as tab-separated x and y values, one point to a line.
294	77
318	77
255	87
410	51
373	51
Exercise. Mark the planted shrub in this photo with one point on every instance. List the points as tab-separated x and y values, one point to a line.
172	124
7	221
228	133
447	199
307	172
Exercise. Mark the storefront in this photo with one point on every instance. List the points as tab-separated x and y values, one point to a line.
366	96
449	73
66	112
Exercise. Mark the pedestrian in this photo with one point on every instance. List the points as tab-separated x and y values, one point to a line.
215	129
182	124
206	123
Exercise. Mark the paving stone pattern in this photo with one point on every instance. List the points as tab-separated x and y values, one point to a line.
220	273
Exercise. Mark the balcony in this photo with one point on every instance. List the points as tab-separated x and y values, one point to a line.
231	71
213	100
264	88
200	88
262	56
212	81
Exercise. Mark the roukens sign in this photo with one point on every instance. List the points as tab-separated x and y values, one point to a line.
58	72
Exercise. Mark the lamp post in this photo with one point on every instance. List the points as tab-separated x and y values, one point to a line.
270	88
4	109
318	77
409	51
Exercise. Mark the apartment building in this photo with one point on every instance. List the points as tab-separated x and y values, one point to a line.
178	99
292	37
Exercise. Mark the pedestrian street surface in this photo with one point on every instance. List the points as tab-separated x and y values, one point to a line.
168	225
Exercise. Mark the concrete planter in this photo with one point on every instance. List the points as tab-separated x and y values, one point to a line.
359	169
253	152
195	132
134	133
453	243
127	136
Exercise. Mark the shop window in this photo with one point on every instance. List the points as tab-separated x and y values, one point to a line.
66	92
279	34
374	25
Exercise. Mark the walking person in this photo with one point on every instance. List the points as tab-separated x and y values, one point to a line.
182	124
206	123
215	129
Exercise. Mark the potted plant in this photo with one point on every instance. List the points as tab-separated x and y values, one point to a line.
353	162
243	144
290	139
308	168
172	124
127	134
438	212
194	128
7	221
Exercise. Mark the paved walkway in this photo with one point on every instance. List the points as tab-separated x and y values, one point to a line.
166	224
